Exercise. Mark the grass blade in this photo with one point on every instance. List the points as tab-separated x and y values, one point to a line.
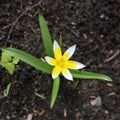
40	96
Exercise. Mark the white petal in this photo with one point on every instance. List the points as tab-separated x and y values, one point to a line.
66	73
79	65
55	45
69	52
50	60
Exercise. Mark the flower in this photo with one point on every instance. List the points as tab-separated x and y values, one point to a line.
61	63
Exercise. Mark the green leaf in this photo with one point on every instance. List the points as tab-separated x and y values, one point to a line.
60	41
89	75
2	63
15	60
40	96
8	88
46	36
76	83
55	90
29	59
10	67
5	57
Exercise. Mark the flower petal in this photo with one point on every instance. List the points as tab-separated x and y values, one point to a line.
57	51
69	52
74	65
56	71
66	73
50	60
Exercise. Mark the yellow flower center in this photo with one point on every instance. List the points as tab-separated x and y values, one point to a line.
61	63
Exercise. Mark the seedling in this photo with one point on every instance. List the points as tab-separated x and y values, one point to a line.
8	62
8	89
56	62
40	96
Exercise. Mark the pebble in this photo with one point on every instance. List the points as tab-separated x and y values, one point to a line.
29	117
97	101
8	117
102	16
106	112
85	36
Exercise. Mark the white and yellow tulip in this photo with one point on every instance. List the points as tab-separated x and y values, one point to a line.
62	63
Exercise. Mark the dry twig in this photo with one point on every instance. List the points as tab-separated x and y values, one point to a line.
17	19
112	57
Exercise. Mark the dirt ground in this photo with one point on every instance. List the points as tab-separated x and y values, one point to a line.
91	24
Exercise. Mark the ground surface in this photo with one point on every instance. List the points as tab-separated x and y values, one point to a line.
97	35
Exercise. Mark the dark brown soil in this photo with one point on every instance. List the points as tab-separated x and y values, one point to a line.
97	35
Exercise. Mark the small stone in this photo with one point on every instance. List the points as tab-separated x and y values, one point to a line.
8	117
109	84
106	112
29	117
101	35
85	36
97	101
102	16
92	102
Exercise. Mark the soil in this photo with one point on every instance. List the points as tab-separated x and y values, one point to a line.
97	35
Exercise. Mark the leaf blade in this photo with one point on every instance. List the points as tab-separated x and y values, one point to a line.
40	96
60	41
47	41
55	90
8	88
29	59
89	75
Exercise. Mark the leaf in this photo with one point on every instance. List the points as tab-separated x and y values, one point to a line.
10	67
8	88
2	63
29	59
55	90
60	41
40	96
46	36
15	60
89	75
5	57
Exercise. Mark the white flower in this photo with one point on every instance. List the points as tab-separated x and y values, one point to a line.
62	62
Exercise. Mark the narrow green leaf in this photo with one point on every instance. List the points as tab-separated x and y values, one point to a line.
29	59
60	41
76	83
10	67
40	96
46	36
8	88
89	75
55	90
